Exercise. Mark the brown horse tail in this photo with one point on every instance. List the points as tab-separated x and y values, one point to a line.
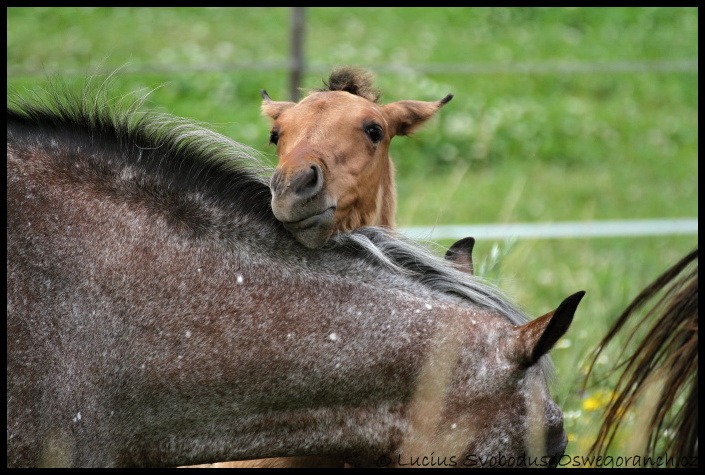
668	354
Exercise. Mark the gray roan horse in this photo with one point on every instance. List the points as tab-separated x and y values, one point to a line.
159	315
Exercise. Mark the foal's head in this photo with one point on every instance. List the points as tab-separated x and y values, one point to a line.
334	173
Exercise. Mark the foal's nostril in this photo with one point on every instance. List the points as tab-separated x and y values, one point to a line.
308	183
302	184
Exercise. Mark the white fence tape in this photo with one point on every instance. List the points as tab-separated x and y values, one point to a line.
576	229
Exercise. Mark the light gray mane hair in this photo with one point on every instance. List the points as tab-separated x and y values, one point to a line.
402	255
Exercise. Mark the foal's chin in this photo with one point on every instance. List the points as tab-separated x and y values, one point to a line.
313	231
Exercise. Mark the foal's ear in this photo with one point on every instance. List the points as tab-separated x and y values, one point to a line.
538	336
273	109
460	253
406	117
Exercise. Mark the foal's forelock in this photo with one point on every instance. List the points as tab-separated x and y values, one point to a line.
353	80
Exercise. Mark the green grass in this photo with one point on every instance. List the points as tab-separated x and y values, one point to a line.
619	142
612	271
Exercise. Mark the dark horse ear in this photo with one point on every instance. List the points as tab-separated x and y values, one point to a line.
460	253
538	336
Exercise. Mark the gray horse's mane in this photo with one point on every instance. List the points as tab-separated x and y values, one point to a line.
400	254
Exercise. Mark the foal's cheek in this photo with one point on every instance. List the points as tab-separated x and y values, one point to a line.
366	166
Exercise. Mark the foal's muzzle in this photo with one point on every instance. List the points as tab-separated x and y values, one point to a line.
301	202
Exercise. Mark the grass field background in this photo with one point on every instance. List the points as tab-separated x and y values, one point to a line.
559	114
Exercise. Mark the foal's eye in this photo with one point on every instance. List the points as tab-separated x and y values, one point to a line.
374	132
274	137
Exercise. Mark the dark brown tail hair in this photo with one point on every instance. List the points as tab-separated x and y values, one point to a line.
670	348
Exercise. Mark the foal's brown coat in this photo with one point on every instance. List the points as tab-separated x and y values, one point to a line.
335	173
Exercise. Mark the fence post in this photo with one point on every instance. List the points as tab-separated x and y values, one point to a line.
296	66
